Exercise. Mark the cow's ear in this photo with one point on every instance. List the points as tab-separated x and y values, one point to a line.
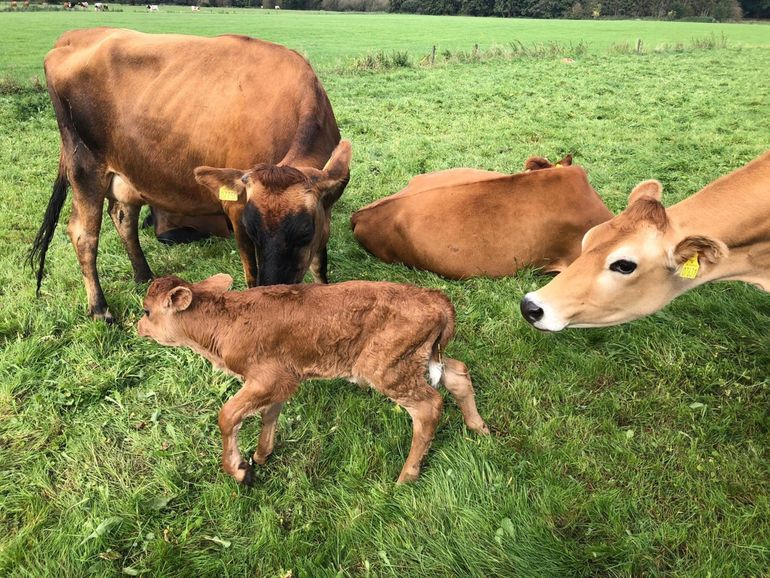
218	283
708	250
224	182
652	189
566	161
336	173
179	299
537	164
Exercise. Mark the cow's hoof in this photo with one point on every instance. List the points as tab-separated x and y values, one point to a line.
104	315
248	478
143	278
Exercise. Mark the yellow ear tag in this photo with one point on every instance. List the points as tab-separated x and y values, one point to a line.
690	268
557	166
227	194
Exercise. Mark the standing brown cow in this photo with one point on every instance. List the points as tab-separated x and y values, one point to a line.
140	113
384	335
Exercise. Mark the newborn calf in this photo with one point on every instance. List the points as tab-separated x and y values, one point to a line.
384	335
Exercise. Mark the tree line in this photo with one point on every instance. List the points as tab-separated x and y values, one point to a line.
704	10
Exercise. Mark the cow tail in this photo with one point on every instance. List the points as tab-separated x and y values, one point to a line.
43	238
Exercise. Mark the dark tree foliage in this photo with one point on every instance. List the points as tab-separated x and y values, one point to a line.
705	10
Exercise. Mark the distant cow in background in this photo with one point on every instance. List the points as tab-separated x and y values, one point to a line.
129	107
101	7
195	8
152	7
465	222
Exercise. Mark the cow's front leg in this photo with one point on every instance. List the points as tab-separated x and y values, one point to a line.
318	266
246	248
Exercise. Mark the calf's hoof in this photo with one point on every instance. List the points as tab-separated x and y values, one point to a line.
408	476
480	429
259	459
245	475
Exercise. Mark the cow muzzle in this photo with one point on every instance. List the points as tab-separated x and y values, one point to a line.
540	315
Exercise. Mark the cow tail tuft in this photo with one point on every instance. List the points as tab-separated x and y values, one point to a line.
36	257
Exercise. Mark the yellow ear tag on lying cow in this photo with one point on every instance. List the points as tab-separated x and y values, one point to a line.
227	194
557	166
690	268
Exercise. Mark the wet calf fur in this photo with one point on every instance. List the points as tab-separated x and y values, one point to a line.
385	335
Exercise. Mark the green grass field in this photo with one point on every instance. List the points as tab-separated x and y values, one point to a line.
641	450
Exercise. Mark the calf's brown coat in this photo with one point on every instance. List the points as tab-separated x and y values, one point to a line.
384	335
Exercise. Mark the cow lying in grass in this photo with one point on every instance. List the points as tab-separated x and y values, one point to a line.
384	335
463	223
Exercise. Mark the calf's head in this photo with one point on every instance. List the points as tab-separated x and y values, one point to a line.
166	301
286	210
630	266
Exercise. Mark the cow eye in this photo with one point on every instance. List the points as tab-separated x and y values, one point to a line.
147	312
245	178
623	266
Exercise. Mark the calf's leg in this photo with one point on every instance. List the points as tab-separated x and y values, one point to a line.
457	380
125	217
267	433
254	396
424	405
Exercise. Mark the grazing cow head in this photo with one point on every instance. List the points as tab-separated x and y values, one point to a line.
166	298
286	210
630	266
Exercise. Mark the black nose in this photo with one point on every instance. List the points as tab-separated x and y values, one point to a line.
531	311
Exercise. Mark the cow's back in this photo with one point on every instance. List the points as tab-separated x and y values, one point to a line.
154	107
491	226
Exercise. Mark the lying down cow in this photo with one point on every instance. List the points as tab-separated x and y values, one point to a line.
642	259
465	222
198	126
384	335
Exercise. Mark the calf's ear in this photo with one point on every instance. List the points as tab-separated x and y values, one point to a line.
335	174
218	283
707	249
178	299
221	180
652	189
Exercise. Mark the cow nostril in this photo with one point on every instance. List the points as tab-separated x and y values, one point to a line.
531	311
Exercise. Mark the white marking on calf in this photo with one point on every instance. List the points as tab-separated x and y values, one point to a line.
435	371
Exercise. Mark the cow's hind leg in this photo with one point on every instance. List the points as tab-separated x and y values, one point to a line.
89	186
125	217
457	380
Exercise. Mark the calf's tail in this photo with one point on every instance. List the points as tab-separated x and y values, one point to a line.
43	238
436	363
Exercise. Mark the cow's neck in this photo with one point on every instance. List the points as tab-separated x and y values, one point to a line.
735	210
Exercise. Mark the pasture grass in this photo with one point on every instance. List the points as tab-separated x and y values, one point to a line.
639	450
